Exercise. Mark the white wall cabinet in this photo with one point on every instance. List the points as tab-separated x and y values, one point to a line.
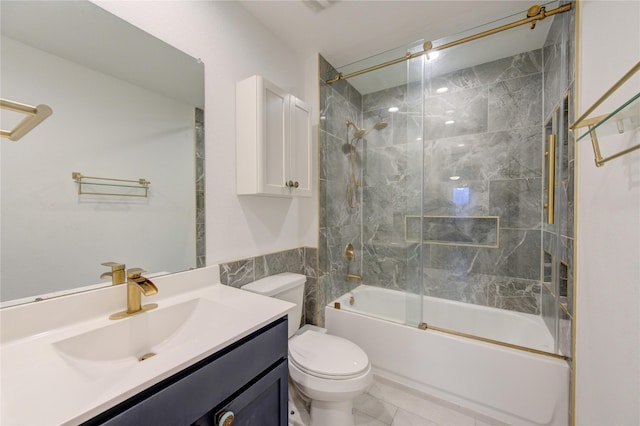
273	141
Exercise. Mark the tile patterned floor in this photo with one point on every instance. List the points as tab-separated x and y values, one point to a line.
389	404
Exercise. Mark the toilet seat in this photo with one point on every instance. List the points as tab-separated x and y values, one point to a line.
326	356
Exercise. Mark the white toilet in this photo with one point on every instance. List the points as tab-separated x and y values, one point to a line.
329	370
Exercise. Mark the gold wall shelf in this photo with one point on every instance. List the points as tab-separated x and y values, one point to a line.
138	188
625	119
35	116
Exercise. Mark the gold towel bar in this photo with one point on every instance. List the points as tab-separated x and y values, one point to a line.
142	184
35	116
593	123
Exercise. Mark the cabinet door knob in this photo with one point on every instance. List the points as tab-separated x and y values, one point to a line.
296	184
290	184
226	418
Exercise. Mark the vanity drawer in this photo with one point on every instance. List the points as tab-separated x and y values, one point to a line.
190	394
263	403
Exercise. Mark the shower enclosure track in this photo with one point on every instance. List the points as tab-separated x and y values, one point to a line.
534	14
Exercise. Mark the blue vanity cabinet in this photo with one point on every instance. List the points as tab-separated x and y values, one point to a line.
257	405
244	384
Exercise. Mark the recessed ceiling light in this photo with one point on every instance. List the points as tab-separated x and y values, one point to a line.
418	139
449	122
442	89
454	177
460	145
394	109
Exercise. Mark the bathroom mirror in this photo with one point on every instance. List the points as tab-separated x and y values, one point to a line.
124	107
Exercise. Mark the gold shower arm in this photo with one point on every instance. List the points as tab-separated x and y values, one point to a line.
35	116
534	14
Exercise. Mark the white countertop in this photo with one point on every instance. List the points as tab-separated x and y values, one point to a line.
39	386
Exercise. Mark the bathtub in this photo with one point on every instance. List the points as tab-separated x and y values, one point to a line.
508	384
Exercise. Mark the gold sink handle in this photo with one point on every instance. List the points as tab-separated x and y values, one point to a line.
117	273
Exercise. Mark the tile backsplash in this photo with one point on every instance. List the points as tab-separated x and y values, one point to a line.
301	260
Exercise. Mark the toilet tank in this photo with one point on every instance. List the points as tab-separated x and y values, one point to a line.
286	286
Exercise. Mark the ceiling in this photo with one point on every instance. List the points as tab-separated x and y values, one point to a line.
356	34
350	30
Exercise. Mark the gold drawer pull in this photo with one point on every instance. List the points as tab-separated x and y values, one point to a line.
226	418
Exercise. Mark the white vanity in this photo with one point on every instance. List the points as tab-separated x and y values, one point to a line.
206	352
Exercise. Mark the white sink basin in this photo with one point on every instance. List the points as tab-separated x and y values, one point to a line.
64	361
131	340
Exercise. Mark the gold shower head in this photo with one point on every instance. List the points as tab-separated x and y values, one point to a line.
360	132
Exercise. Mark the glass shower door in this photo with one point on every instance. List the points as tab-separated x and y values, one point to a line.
392	176
414	191
433	170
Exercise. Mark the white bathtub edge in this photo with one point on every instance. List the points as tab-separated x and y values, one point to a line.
506	384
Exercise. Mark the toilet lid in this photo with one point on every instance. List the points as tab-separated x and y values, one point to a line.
327	356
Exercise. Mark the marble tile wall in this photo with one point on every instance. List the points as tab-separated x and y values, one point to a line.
339	223
300	260
201	248
494	146
392	188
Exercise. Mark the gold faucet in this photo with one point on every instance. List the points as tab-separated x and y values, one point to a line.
116	274
137	285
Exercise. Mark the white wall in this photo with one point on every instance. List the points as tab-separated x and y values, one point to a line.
607	356
233	46
101	126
